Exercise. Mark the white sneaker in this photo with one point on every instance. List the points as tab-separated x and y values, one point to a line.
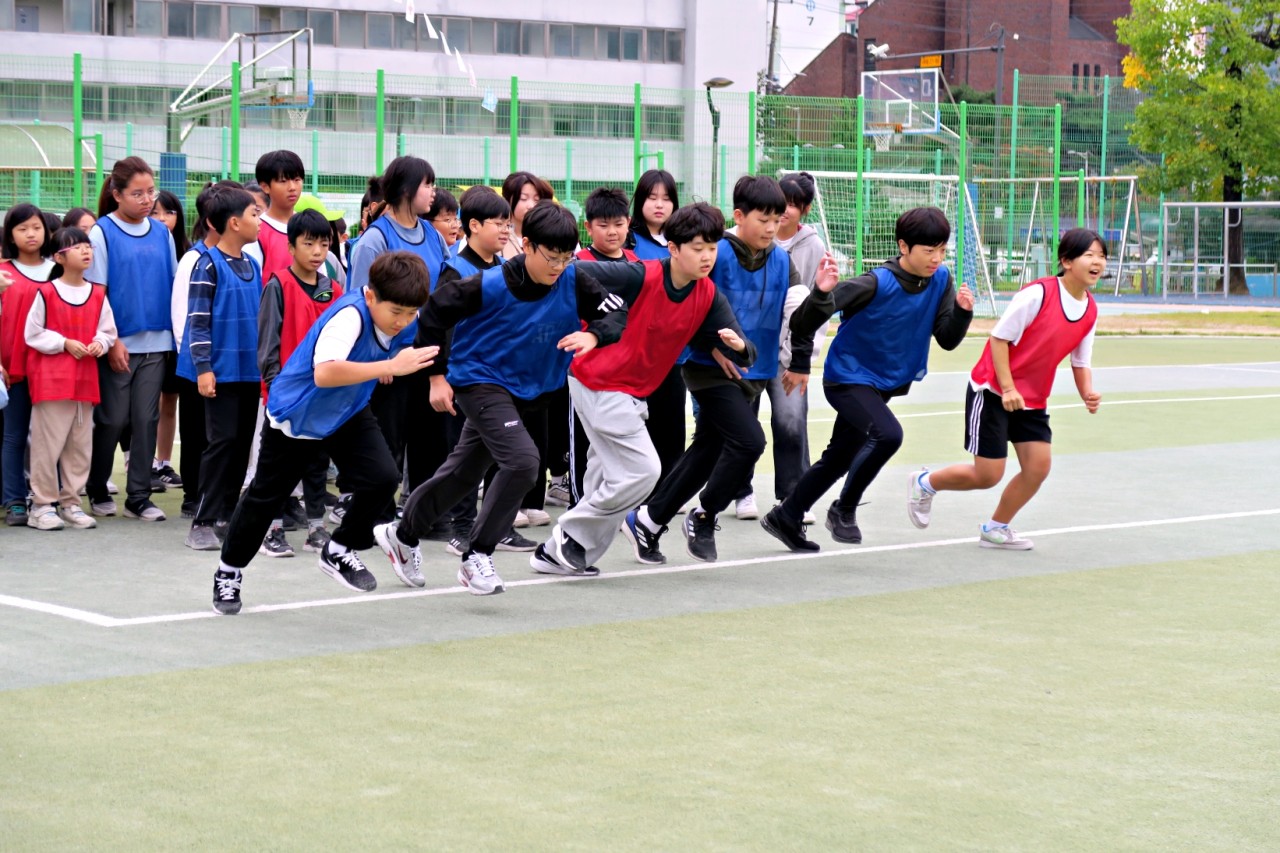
478	575
522	520
536	517
919	501
112	488
1004	538
558	493
45	518
102	509
746	508
75	516
406	562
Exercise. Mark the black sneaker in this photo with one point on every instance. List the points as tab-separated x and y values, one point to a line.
220	529
347	569
513	541
275	544
843	524
166	475
189	508
643	543
339	510
700	535
786	531
226	592
16	515
542	562
317	538
566	551
143	510
295	514
459	545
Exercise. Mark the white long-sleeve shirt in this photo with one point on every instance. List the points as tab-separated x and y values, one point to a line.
50	342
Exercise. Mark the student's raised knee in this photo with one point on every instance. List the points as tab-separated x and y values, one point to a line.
523	469
890	437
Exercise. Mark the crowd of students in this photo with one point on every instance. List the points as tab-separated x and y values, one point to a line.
467	346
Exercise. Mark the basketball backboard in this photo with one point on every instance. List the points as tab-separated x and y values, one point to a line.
906	99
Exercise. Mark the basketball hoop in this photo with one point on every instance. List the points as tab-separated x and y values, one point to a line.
883	134
298	117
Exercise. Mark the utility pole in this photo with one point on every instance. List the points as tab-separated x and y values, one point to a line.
773	46
999	68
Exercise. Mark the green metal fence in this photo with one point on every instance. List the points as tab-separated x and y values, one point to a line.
63	118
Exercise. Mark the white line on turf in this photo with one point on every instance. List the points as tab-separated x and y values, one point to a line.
1105	404
115	622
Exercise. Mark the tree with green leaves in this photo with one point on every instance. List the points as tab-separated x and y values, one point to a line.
1212	106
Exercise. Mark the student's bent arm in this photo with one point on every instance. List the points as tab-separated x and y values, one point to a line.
707	337
605	313
624	279
1084	384
1009	394
951	323
450	303
270	321
334	374
849	296
200	311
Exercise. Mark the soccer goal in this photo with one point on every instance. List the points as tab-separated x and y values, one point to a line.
886	196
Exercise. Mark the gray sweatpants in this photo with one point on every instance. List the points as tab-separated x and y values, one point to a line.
622	466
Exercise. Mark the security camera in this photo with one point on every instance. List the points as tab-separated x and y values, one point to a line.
879	51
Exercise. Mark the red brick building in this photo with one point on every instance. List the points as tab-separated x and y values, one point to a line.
1060	37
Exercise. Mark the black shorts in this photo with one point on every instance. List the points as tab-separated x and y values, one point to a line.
989	429
172	384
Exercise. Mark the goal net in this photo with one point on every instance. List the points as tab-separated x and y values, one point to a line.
886	196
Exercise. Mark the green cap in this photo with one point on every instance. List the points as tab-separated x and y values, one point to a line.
307	201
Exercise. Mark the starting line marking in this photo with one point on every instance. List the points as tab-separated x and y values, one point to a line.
102	621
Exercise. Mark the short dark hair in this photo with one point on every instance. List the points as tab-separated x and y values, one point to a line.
799	189
282	165
226	203
309	223
443	201
65	239
75	214
922	226
400	278
515	184
481	203
693	221
607	203
52	224
1077	241
758	192
644	187
17	215
200	228
401	180
551	225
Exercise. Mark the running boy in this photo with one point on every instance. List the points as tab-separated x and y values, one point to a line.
516	329
672	305
220	354
291	303
281	176
881	347
1009	389
320	406
754	275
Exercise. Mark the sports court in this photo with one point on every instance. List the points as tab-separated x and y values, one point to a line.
1115	688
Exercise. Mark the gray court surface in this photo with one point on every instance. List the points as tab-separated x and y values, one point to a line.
128	598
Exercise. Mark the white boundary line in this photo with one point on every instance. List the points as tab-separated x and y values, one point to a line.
1220	366
102	621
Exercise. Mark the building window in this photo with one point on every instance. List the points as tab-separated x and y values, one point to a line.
533	39
181	20
351	29
508	38
292	20
631	44
321	24
81	16
406	33
379	31
482	38
675	46
584	42
242	19
426	42
561	40
27	19
657	44
1097	71
608	43
459	34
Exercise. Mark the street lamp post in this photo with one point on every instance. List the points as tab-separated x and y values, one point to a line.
715	83
1083	155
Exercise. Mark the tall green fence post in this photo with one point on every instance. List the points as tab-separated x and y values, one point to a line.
128	139
795	158
226	153
662	159
77	128
235	121
637	117
858	215
35	187
751	132
315	161
568	169
401	144
97	160
1102	160
488	144
515	124
1057	177
380	123
962	191
1013	172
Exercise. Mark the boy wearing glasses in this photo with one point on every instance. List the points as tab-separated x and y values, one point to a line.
516	328
443	216
292	300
